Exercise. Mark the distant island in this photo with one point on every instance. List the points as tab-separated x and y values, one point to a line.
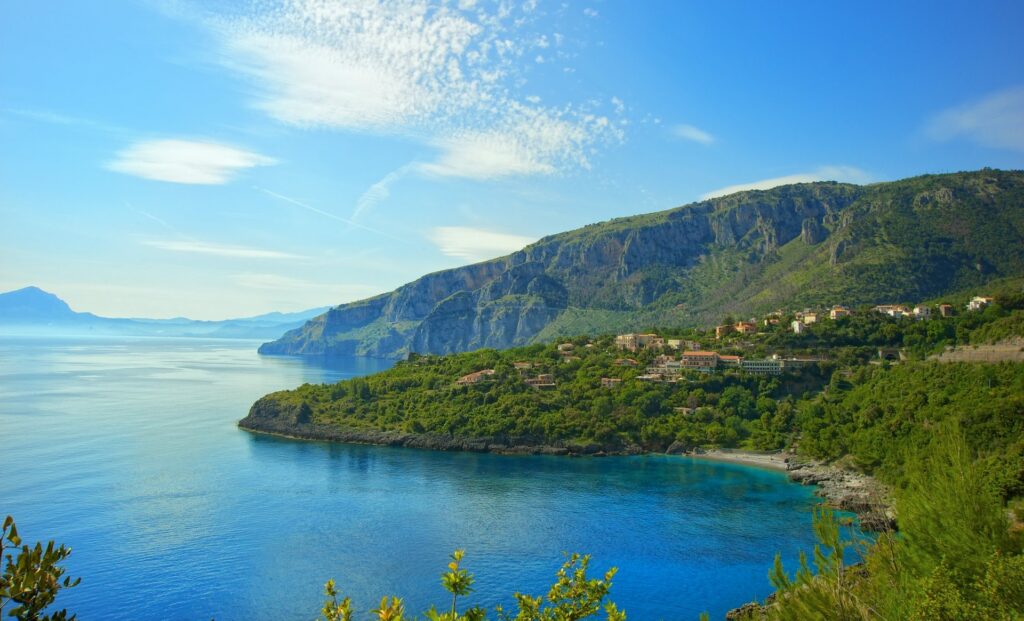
32	311
746	254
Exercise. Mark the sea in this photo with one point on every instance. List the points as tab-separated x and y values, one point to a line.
127	450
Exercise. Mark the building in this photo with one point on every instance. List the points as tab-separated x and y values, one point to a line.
636	342
474	378
543	380
565	347
892	310
771	321
769	366
946	310
798	326
838	312
522	367
746	327
721	331
625	362
978	302
809	318
704	361
922	312
730	361
666	366
610	382
685	411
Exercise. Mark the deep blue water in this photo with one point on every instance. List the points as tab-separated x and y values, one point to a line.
127	451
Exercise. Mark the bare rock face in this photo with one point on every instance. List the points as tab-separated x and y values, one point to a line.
812	232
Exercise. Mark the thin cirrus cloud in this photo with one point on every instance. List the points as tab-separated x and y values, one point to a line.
996	120
693	134
444	75
220	250
475	244
847	174
185	161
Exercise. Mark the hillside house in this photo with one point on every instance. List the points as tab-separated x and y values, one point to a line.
809	318
732	362
838	312
746	327
522	367
769	366
946	310
721	331
625	362
978	302
474	378
610	382
798	326
922	312
892	310
704	361
636	342
543	380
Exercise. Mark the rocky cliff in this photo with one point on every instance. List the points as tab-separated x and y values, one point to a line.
816	243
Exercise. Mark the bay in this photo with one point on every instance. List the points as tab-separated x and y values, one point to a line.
127	450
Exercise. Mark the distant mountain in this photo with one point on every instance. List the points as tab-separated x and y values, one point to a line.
31	304
742	254
34	311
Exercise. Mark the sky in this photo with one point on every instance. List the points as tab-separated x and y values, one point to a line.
224	159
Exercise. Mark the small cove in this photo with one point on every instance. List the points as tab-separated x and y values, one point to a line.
127	450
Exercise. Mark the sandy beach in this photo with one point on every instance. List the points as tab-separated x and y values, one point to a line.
774	461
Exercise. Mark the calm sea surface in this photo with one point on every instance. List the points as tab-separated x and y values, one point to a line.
127	451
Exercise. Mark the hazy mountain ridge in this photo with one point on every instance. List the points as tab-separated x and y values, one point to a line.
31	310
803	244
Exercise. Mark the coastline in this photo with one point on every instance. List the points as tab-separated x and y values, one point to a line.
770	461
845	490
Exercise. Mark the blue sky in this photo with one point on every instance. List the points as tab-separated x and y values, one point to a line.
219	159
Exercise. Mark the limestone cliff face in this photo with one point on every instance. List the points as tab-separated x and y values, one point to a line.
708	257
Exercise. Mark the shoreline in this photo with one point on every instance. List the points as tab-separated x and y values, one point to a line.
854	492
777	461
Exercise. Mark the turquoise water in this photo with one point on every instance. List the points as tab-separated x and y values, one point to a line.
127	451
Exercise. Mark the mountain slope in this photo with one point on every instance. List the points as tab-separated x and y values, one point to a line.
815	243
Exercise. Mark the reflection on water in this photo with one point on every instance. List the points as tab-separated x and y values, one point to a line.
127	450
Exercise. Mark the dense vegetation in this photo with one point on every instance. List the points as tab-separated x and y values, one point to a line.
957	557
839	407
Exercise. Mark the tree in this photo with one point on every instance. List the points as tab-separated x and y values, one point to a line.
33	579
573	597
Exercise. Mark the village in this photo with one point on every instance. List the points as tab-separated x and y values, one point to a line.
678	356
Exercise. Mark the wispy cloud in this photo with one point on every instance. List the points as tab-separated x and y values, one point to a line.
326	214
695	134
220	250
476	244
848	174
996	120
378	192
185	161
437	73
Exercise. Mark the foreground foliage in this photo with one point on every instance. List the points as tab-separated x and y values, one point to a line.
32	579
573	596
956	557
